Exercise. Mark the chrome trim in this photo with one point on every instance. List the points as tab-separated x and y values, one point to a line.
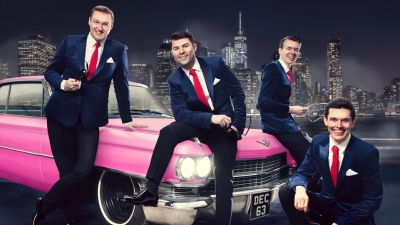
26	152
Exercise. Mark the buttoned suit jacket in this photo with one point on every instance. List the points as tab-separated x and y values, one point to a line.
273	100
224	89
91	100
359	187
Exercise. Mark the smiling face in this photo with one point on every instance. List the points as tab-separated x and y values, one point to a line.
289	52
184	52
100	24
339	124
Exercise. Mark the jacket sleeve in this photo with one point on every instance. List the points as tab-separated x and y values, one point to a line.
268	85
121	87
373	192
236	93
181	111
55	70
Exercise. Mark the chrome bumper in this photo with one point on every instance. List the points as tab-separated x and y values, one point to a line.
187	210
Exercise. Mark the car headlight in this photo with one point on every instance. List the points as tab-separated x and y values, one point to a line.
185	168
203	167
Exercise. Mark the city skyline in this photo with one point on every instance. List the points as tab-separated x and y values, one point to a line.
364	33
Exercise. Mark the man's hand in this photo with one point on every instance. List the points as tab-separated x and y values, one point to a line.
132	125
72	85
222	120
301	199
298	110
234	129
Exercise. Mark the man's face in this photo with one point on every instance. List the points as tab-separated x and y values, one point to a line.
339	124
184	52
289	52
100	25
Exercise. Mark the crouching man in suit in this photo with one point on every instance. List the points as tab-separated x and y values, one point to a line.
208	102
349	167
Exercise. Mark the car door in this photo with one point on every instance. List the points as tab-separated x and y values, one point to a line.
22	129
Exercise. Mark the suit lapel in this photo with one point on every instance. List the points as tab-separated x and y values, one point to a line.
80	52
104	56
208	77
324	162
347	160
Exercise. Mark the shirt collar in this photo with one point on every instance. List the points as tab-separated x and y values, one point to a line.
91	42
342	146
196	67
284	65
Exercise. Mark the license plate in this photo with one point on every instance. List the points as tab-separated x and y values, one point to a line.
260	205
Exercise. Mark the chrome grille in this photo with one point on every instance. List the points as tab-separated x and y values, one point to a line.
255	172
258	165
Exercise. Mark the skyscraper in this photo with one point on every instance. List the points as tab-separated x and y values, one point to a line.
165	66
240	46
3	70
34	55
202	49
228	54
334	84
141	73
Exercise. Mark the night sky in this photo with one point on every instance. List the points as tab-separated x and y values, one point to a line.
369	30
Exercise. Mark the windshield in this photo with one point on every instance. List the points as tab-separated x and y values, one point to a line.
142	100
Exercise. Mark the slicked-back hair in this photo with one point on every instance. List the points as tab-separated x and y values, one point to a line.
292	38
103	9
340	103
182	34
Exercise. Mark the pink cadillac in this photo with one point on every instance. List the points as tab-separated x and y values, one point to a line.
187	193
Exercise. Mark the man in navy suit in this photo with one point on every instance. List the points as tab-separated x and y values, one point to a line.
78	107
351	187
208	115
274	99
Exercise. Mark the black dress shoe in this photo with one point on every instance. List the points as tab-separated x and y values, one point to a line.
39	215
143	198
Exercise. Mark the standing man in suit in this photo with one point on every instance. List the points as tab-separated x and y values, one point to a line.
207	114
274	98
351	184
78	107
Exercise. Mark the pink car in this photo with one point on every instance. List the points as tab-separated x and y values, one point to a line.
187	192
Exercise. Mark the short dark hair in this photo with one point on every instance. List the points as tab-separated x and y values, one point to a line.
292	38
341	103
103	9
182	34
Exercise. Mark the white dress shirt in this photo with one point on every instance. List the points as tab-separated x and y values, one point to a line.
200	75
342	148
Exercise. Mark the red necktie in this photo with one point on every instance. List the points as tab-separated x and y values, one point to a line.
335	164
198	89
290	75
93	62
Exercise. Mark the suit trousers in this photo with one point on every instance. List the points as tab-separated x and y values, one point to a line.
296	143
74	150
319	211
224	148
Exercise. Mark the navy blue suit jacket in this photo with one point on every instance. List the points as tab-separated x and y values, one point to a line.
273	100
186	106
360	195
91	101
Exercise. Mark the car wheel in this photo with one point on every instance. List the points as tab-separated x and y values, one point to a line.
109	208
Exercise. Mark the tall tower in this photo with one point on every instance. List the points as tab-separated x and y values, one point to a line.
34	56
240	46
228	54
334	84
165	66
3	70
